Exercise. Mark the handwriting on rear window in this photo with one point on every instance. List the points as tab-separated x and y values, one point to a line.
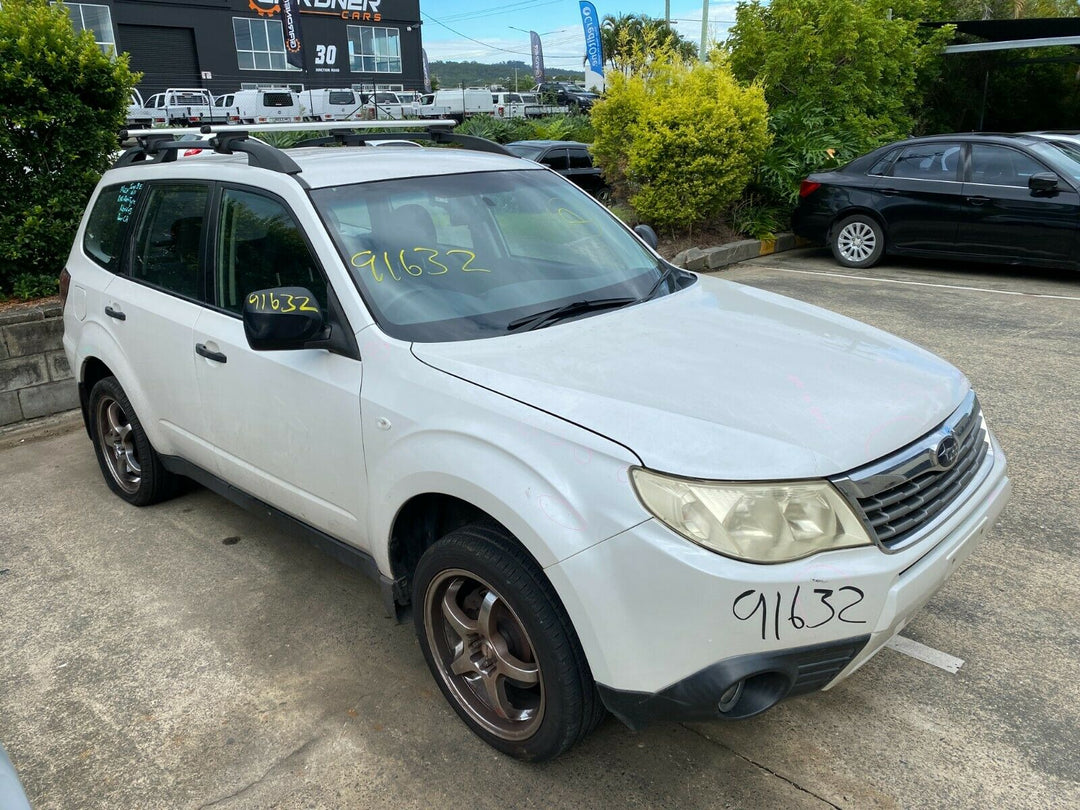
126	199
779	614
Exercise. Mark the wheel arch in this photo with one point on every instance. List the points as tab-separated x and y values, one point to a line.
859	209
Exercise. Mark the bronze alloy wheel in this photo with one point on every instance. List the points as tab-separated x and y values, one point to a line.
117	439
483	654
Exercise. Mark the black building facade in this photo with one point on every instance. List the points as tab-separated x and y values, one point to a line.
226	45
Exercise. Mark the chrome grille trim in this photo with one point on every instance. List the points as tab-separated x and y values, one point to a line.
900	497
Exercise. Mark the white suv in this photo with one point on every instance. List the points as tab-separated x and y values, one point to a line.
598	481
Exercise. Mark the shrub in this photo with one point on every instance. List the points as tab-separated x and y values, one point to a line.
62	103
841	77
680	143
550	127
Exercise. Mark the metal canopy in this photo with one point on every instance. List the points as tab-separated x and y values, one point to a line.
1012	44
1008	35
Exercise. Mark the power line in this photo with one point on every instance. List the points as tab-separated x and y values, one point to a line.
493	11
496	47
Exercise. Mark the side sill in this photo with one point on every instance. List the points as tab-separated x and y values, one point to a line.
340	551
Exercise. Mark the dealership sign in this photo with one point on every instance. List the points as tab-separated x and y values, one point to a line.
354	10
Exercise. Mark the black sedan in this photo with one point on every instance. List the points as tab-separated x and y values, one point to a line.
569	158
994	198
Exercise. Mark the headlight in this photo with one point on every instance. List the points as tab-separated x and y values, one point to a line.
763	523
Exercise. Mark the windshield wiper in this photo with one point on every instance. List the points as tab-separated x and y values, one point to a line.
549	316
669	272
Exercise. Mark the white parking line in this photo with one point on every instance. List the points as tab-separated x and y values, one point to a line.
929	655
920	283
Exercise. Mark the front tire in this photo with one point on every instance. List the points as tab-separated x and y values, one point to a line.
501	646
858	241
130	465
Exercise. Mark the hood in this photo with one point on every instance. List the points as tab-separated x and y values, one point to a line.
722	381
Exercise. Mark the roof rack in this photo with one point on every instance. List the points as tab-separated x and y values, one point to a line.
160	145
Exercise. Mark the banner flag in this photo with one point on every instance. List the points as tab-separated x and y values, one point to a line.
290	22
427	73
594	51
537	57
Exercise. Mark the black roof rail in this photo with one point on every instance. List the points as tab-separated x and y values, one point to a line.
435	134
161	147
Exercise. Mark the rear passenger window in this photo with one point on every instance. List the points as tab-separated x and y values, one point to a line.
107	226
555	159
169	237
928	161
259	247
579	159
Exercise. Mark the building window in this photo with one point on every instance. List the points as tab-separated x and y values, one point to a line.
296	88
374	50
260	45
88	17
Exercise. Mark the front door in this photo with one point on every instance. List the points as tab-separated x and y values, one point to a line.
1003	218
286	424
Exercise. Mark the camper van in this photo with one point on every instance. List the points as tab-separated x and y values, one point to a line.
273	105
338	104
457	104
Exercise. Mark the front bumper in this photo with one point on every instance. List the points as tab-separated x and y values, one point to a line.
668	627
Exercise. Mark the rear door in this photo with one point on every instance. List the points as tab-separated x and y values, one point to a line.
152	307
582	171
921	197
1003	218
285	424
556	159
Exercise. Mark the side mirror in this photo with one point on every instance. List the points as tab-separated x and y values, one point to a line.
282	318
1043	182
648	235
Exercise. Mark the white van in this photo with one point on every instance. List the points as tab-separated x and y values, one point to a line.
272	105
522	105
383	105
455	103
337	104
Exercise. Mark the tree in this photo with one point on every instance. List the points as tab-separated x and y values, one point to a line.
62	103
628	39
681	143
840	76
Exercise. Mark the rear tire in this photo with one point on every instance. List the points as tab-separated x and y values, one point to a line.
501	646
130	465
858	241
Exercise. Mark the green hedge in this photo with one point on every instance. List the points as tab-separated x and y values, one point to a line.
62	102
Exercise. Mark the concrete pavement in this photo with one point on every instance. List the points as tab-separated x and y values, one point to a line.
192	655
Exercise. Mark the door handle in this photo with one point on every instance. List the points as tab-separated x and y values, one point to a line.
217	357
115	313
978	200
888	192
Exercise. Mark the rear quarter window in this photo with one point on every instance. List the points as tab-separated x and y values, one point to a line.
277	99
107	227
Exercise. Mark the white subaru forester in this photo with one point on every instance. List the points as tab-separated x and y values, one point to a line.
598	481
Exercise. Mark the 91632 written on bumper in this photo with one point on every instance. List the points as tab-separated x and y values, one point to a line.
674	631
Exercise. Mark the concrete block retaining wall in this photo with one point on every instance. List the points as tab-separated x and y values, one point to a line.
34	376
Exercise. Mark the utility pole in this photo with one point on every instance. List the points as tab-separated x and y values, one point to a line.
704	28
667	10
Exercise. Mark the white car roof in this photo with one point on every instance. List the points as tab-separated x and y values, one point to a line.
335	166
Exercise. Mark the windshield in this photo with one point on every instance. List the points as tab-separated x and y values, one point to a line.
1063	155
459	257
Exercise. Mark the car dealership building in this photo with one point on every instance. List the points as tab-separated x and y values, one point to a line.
224	45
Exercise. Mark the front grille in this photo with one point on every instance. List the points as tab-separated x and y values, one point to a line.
901	494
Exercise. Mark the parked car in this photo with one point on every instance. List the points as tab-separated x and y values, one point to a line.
522	105
584	502
137	114
12	796
569	158
992	198
457	104
184	106
566	94
271	105
330	104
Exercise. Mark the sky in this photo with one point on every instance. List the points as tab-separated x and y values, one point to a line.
484	30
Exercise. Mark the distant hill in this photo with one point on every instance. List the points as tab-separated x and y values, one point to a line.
481	74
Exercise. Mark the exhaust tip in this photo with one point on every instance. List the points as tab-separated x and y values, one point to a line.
752	695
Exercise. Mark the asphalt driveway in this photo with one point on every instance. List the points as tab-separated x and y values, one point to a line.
192	655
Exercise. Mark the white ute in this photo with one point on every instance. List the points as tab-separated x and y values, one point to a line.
597	481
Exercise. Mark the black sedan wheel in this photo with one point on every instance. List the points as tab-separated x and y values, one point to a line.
858	241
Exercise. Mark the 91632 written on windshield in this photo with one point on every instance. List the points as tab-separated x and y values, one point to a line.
782	614
420	261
